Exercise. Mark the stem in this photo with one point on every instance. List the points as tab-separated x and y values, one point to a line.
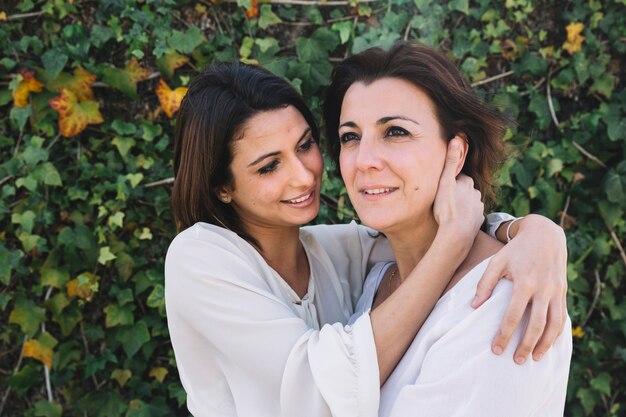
494	78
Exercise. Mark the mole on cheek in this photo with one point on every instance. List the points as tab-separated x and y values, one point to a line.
417	187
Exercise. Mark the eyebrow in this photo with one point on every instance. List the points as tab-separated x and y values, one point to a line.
381	121
270	154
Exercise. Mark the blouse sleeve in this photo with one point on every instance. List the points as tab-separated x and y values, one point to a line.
460	376
232	335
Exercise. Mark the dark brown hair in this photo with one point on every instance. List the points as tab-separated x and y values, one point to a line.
211	116
458	108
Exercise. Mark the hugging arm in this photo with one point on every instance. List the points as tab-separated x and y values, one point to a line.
536	261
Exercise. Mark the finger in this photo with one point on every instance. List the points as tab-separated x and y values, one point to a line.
553	329
534	331
487	282
453	157
510	321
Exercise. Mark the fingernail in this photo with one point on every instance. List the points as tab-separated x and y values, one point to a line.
475	301
520	360
537	356
497	349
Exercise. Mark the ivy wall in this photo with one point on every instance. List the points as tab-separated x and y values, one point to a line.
88	91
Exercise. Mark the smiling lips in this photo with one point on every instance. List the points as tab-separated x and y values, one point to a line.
374	192
301	201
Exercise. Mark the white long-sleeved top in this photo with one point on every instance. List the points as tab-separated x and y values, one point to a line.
449	369
247	345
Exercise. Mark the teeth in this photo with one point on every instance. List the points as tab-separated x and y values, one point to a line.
299	200
377	191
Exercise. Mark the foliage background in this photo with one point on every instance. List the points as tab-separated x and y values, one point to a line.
85	221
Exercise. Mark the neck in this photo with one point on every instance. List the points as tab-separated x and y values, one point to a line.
410	244
282	250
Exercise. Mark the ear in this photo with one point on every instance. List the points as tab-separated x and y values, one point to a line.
464	146
224	194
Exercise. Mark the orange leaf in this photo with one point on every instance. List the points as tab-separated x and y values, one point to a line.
27	83
253	11
74	115
574	40
82	286
33	349
170	99
136	72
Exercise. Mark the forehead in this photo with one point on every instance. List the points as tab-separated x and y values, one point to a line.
270	129
383	97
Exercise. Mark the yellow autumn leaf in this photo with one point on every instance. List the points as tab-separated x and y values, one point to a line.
34	349
82	286
136	72
253	11
170	99
74	115
158	373
3	16
121	376
27	83
574	40
80	83
578	332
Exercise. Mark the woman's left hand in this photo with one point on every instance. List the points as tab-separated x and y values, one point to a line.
536	261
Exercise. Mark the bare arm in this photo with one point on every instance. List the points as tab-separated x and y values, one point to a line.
536	261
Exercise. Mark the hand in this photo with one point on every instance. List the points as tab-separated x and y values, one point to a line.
458	204
536	261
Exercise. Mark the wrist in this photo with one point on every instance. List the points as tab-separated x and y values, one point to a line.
537	225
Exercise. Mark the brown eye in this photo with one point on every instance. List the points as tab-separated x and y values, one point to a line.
348	137
396	131
266	169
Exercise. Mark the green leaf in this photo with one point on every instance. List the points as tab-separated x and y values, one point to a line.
28	316
602	383
186	42
134	337
118	316
105	255
123	145
54	61
459	5
24	379
5	265
614	187
20	116
267	17
26	220
56	304
611	212
68	319
54	277
121	80
29	241
603	85
47	409
48	174
246	47
116	220
345	30
156	299
134	179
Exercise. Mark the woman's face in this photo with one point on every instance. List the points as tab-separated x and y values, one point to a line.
277	170
392	153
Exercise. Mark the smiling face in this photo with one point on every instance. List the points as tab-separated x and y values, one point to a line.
277	170
392	153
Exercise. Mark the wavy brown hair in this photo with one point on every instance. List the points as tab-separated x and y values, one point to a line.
211	117
458	107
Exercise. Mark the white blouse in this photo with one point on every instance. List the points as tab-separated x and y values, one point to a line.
449	369
247	345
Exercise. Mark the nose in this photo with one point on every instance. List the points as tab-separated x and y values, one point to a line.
368	155
300	174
